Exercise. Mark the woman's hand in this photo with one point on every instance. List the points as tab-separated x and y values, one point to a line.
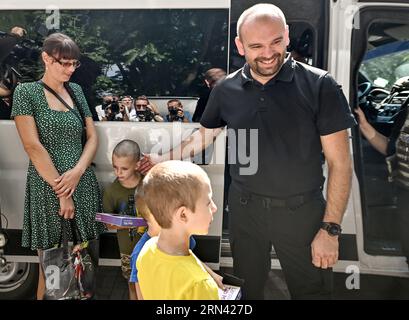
67	209
67	183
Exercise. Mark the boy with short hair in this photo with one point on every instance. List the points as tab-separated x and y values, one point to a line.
119	198
179	196
153	231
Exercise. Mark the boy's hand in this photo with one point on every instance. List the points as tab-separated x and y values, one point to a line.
216	277
113	227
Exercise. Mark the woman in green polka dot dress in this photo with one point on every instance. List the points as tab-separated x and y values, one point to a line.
60	181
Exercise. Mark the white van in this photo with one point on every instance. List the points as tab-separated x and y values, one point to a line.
160	49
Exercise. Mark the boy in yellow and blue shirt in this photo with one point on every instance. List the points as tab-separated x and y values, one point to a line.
179	195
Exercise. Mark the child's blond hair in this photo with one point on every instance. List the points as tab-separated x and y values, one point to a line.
170	185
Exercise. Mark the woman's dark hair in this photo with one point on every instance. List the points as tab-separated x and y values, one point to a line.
61	46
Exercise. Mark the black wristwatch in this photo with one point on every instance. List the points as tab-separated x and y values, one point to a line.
333	229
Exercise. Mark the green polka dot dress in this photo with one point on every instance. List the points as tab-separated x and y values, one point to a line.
60	134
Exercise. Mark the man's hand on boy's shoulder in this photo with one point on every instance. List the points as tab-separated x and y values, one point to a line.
147	162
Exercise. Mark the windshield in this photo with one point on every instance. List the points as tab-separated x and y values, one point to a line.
385	64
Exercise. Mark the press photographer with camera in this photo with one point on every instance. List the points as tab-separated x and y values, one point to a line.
144	111
176	112
116	111
8	75
107	99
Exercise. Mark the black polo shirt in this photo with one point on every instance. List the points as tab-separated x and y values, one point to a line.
291	112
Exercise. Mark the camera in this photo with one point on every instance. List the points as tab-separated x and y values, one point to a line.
145	115
173	114
113	113
114	107
9	77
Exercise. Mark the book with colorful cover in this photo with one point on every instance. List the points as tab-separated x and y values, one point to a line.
120	220
230	293
232	286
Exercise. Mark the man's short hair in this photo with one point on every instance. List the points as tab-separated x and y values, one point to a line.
144	98
170	185
261	10
175	100
127	148
214	75
126	97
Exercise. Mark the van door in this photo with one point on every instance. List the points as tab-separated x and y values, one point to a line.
379	58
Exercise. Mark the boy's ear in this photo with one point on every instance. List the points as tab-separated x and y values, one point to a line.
137	165
182	214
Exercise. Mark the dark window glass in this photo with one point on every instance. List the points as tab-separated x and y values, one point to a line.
161	52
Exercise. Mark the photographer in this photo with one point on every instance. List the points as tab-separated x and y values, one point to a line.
116	111
8	75
127	102
176	112
107	99
143	111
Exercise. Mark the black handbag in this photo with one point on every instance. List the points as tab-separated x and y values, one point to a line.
70	271
74	99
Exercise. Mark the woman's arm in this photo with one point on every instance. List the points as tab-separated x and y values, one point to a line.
41	160
90	148
68	181
38	155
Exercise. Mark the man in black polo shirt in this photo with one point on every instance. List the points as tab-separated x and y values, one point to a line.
296	112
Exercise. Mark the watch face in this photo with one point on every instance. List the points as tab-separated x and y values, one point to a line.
334	230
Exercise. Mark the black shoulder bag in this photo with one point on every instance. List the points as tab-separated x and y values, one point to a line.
74	99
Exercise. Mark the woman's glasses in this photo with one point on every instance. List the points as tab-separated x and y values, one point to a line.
66	64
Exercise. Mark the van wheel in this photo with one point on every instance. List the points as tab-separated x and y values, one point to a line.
18	280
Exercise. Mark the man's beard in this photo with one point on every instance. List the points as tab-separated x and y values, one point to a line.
259	69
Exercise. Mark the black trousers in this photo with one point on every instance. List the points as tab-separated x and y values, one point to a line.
257	223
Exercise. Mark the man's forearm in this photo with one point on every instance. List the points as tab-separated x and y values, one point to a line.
193	145
338	190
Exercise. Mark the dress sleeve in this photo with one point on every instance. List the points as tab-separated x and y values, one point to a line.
79	94
22	103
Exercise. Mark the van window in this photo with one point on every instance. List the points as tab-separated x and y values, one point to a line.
153	52
382	96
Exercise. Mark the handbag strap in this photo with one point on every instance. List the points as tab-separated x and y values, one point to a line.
64	233
72	95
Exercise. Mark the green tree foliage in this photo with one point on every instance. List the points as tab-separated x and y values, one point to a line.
152	52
